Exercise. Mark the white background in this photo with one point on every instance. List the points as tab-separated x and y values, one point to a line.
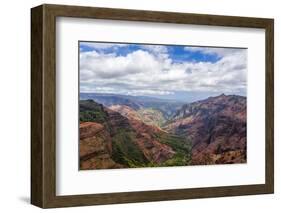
70	181
15	105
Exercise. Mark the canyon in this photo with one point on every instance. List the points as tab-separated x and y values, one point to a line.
131	132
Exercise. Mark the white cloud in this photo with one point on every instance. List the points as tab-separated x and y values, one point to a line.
156	49
145	72
104	66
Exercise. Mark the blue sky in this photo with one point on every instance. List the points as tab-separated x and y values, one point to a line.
176	52
185	73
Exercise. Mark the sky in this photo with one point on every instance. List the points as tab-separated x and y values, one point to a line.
179	72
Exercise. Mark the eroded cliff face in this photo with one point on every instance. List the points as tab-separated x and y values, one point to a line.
148	143
211	131
95	148
118	138
217	128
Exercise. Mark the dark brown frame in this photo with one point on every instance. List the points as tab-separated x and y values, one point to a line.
43	105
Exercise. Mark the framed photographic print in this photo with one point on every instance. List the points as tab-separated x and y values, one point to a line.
137	106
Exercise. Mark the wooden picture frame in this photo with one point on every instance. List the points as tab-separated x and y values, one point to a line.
43	105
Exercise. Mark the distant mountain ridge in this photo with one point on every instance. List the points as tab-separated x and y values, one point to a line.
166	106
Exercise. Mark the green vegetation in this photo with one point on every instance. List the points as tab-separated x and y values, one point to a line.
152	116
92	111
180	145
178	160
125	151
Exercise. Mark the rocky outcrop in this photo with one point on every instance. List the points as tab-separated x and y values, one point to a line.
116	137
151	146
95	147
217	128
153	149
